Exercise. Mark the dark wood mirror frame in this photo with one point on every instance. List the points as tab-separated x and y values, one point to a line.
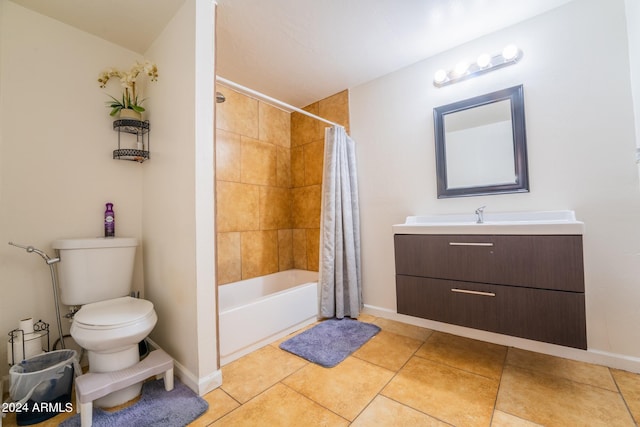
516	96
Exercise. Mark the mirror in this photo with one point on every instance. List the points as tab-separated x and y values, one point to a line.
481	145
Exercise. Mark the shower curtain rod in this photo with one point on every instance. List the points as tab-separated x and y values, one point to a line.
277	102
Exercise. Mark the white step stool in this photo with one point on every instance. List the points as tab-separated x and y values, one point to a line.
92	386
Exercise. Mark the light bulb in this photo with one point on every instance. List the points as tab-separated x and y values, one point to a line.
483	60
510	52
461	68
440	76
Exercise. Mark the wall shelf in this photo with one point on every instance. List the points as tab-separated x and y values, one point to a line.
141	130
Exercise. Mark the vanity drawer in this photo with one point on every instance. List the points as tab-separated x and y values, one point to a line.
555	317
474	305
536	261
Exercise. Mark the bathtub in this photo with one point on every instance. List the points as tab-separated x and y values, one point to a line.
258	311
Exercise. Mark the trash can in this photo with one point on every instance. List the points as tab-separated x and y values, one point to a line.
41	386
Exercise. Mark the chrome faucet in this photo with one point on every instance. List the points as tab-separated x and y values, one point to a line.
480	214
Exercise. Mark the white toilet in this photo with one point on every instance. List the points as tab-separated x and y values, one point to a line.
96	273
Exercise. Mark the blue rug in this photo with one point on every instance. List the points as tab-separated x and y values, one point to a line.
331	341
156	407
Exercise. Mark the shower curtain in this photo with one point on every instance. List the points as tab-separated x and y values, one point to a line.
340	276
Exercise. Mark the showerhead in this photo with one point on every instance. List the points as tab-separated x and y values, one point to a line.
22	246
220	98
31	249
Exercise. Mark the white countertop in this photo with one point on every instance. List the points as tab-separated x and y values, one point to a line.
543	222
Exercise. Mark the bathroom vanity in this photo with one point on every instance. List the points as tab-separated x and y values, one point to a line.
516	274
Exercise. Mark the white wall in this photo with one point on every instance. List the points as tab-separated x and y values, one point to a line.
56	173
633	17
580	138
178	196
56	166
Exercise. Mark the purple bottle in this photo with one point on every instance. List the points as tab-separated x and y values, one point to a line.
109	221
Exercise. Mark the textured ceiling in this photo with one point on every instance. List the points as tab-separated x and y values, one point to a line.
133	24
301	51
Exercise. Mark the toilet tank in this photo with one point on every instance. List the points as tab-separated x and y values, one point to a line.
95	269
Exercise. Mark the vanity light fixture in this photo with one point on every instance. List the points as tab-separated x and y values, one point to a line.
510	55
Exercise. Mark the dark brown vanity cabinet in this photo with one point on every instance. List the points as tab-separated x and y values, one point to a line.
526	286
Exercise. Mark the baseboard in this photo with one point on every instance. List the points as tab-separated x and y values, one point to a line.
201	386
598	357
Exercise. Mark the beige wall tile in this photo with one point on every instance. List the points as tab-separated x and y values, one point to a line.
300	249
313	249
275	208
283	167
306	204
274	125
313	162
297	166
237	206
285	250
238	114
336	108
305	129
227	156
259	253
228	252
260	147
257	162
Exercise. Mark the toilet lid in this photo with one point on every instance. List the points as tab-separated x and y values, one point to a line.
114	312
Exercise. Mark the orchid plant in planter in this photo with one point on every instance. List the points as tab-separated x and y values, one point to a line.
129	106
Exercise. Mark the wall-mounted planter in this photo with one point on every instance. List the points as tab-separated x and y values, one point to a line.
128	114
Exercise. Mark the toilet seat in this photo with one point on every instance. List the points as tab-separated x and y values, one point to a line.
113	314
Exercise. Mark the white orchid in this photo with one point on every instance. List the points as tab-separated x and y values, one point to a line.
128	82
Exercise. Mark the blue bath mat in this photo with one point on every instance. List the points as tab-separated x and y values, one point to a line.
331	341
156	407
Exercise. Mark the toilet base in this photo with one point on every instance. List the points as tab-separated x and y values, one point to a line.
109	362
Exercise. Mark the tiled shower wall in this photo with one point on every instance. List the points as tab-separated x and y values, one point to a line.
307	154
268	184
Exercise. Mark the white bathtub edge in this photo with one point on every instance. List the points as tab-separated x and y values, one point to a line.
228	358
264	297
238	294
258	311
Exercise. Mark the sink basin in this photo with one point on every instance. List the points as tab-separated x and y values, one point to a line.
540	222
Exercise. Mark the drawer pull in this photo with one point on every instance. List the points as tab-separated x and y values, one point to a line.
470	244
466	291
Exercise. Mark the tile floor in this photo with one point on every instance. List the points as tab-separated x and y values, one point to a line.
411	376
